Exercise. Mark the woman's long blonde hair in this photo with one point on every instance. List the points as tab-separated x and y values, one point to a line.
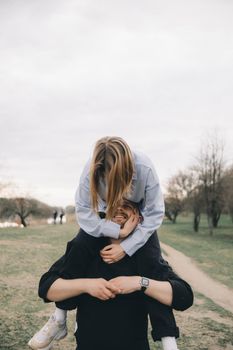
112	161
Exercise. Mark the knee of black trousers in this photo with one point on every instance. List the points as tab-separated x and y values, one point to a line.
150	262
79	253
91	243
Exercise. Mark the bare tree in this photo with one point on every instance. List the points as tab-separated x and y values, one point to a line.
184	192
174	199
23	208
228	184
193	200
210	170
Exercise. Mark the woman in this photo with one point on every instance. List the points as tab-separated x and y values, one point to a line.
114	173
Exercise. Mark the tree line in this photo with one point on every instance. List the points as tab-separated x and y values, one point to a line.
204	187
23	208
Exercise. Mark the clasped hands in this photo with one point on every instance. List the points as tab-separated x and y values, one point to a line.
104	290
114	252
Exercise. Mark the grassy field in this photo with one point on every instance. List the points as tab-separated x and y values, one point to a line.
213	254
26	253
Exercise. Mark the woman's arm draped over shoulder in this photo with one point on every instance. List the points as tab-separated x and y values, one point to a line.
152	211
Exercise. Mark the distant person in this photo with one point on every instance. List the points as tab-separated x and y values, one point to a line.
61	216
54	216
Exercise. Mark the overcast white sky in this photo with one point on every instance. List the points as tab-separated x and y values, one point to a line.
157	73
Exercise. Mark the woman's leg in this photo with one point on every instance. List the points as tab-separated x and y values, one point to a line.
73	264
152	265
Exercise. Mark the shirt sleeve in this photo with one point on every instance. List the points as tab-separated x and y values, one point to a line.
87	219
153	212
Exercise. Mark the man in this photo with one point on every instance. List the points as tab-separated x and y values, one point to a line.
107	302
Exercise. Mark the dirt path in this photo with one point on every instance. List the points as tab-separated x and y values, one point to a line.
199	280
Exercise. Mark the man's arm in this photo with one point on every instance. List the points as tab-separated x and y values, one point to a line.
174	292
63	289
159	290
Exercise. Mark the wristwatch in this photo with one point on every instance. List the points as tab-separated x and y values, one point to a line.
144	283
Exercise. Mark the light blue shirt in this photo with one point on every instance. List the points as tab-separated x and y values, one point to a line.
146	191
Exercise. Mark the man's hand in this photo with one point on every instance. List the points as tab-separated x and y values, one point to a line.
129	226
100	288
112	253
127	284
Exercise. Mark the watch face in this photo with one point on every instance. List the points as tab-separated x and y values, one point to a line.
145	282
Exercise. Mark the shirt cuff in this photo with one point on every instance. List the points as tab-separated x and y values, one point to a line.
111	229
129	246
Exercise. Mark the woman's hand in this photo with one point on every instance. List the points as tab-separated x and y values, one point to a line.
127	284
100	288
112	253
129	225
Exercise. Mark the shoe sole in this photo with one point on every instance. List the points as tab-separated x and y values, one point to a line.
49	345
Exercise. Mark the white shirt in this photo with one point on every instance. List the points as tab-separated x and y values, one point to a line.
146	191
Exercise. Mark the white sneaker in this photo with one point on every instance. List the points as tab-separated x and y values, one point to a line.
52	330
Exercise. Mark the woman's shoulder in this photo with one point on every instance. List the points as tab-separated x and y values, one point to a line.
86	172
142	160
